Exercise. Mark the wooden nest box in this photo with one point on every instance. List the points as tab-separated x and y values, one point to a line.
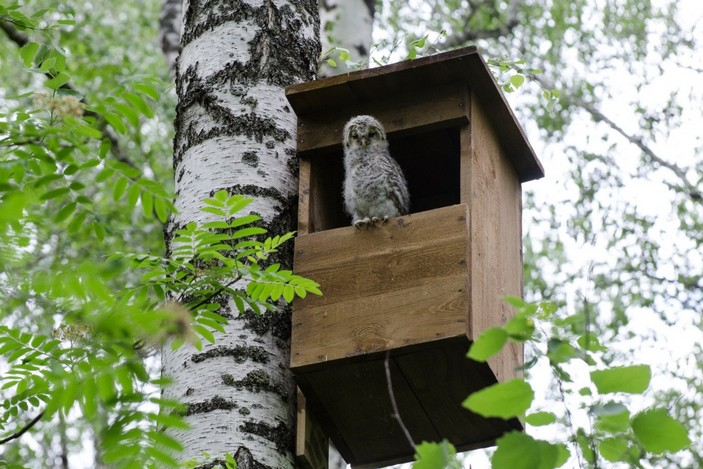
423	286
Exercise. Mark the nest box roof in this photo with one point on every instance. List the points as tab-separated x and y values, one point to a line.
458	66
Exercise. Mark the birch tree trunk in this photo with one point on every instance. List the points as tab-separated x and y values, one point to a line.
236	131
347	24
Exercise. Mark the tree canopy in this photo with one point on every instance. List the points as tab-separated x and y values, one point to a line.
608	93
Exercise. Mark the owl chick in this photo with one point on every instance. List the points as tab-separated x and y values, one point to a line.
374	186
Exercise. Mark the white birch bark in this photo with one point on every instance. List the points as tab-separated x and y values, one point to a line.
236	131
347	24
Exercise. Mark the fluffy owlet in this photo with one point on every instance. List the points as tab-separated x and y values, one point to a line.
374	186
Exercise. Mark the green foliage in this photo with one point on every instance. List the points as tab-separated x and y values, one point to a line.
436	455
84	156
658	432
503	400
520	451
630	379
94	360
612	436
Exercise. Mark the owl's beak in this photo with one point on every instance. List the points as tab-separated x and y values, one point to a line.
364	142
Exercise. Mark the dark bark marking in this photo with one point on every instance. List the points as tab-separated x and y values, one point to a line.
281	435
216	403
240	354
257	381
250	158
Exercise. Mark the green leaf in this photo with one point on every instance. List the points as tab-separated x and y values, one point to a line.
230	462
537	419
517	80
128	113
658	432
515	301
517	450
106	387
65	212
147	89
161	209
133	194
560	351
288	293
52	194
629	379
27	52
169	421
165	440
612	417
490	342
58	81
138	102
87	130
504	400
115	121
204	333
614	449
520	328
584	442
119	188
435	455
89	401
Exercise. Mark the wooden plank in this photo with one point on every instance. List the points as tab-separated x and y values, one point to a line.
421	110
496	242
311	443
359	411
297	93
321	249
305	200
442	377
425	313
352	263
400	284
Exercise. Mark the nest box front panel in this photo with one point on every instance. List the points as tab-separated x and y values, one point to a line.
397	285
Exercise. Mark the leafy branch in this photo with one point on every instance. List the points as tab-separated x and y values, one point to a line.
94	361
615	436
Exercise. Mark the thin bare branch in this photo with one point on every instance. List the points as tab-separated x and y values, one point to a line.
24	429
396	413
693	191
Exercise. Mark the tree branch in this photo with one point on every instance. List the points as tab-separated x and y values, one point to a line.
18	434
693	191
21	39
505	30
396	413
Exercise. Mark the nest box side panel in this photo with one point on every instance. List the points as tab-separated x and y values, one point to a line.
496	238
400	284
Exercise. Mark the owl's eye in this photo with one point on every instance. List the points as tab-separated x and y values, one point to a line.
354	135
373	133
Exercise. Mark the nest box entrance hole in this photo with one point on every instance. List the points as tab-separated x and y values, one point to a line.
430	160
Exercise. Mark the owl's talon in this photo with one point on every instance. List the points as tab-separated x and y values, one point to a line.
359	223
375	220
